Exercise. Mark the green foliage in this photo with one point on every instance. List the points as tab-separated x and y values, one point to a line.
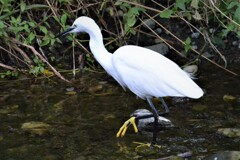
231	8
38	68
187	44
166	13
9	74
130	16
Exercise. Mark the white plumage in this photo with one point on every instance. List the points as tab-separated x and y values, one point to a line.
145	72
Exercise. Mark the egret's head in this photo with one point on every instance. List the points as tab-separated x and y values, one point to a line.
81	24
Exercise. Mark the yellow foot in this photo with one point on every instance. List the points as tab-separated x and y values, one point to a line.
123	129
142	145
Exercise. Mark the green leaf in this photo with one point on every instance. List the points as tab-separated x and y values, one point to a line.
131	21
43	29
41	69
64	19
180	4
166	13
32	24
194	4
219	41
118	3
237	14
2	25
31	37
187	44
22	6
45	42
232	4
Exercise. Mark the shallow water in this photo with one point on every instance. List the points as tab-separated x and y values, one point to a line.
83	126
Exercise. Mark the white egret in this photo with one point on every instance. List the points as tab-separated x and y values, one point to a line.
146	73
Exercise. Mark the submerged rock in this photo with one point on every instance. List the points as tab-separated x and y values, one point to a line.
225	155
147	123
95	89
9	109
229	98
199	107
229	132
37	128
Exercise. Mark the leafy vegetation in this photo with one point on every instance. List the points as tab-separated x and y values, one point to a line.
28	28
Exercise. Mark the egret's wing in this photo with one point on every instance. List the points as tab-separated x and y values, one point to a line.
148	73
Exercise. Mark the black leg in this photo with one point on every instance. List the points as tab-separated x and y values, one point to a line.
155	114
164	105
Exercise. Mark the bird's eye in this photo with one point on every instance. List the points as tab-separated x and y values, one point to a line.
75	26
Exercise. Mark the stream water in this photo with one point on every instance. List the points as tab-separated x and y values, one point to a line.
79	125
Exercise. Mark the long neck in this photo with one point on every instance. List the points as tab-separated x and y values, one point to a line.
98	49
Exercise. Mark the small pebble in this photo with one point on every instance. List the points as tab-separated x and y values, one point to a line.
194	47
235	43
208	55
120	13
195	34
149	23
211	30
158	30
161	48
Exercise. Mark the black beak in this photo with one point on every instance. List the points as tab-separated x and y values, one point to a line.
64	32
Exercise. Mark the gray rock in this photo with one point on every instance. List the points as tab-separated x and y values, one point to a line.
157	40
212	30
150	23
208	55
37	128
229	132
235	43
195	34
147	123
194	47
160	48
158	30
224	155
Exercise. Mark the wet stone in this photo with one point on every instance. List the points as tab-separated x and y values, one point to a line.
9	109
95	89
36	128
71	93
70	89
146	150
229	98
195	34
199	108
229	132
224	155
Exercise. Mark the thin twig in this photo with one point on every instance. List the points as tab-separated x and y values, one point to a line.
162	39
223	13
152	9
14	55
24	55
42	58
7	67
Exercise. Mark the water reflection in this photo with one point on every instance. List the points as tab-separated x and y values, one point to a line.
83	126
